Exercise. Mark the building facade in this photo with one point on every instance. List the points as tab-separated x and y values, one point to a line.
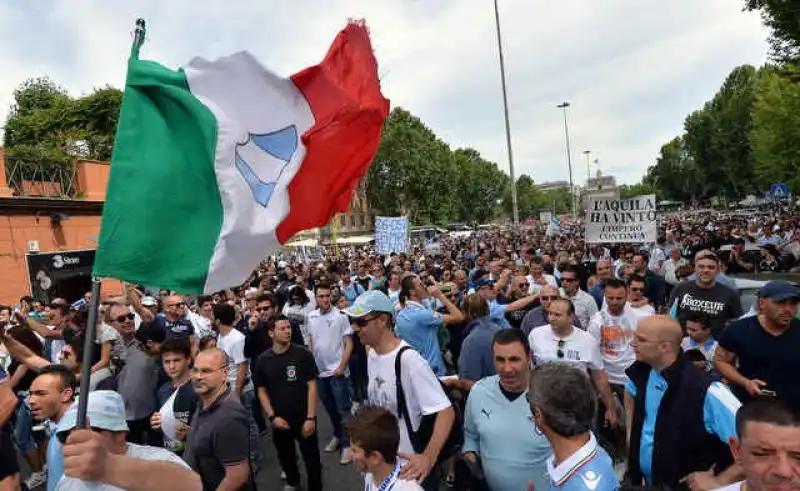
49	224
599	187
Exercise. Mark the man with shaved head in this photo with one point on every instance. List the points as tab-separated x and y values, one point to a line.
679	420
216	445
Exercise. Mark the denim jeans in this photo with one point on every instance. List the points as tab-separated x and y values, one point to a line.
23	421
334	392
249	401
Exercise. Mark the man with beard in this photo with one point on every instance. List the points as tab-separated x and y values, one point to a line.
758	354
214	445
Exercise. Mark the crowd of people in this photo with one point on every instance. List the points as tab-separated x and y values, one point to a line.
509	360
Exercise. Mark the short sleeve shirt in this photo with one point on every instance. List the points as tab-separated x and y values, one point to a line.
579	349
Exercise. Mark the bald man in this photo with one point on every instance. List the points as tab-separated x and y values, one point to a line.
216	445
539	316
679	420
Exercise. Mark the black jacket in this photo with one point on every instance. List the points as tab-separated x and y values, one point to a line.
681	443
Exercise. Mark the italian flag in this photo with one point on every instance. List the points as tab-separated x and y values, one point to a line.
217	164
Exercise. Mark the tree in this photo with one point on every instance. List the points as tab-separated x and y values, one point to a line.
776	134
46	128
713	157
782	18
479	183
638	189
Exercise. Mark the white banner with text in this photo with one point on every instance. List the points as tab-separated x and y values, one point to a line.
622	220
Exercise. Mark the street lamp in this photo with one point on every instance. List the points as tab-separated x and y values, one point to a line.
587	154
515	208
564	105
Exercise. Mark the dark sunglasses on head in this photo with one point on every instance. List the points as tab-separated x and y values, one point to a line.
124	317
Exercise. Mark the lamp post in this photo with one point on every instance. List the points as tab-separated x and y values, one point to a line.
587	154
514	205
564	105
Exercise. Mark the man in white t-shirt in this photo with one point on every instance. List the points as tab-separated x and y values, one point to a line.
373	313
330	340
561	342
101	460
231	342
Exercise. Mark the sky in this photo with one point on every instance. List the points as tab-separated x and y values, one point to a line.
631	69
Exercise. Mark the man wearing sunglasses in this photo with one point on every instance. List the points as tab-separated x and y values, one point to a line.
561	342
373	313
137	382
101	459
539	316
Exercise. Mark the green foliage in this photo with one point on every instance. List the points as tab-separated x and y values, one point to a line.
639	189
416	174
714	156
47	128
776	134
782	18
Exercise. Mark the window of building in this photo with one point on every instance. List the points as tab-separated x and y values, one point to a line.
343	220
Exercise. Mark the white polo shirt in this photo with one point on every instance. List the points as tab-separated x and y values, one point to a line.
579	349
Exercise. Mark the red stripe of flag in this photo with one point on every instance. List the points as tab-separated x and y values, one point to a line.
349	109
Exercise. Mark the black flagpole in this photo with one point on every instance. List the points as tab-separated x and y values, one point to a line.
94	304
88	344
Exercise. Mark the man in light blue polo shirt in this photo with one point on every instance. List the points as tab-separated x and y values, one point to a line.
417	325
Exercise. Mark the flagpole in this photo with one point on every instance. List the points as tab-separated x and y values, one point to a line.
94	304
88	344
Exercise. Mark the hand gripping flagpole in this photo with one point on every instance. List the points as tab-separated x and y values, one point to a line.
139	34
88	344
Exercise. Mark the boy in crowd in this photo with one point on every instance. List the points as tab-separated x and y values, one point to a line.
374	438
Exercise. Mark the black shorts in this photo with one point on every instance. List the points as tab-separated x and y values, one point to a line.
8	456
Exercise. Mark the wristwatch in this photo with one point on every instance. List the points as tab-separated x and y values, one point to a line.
311	418
271	418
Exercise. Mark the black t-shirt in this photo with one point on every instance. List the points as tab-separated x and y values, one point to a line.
179	329
719	303
183	408
256	342
762	356
285	376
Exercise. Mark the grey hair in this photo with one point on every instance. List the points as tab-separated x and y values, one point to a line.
565	398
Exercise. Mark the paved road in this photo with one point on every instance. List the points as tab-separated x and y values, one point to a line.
336	477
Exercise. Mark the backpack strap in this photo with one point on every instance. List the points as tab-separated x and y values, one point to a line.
402	408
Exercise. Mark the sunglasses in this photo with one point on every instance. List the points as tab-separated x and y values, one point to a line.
124	317
548	298
363	321
560	352
178	305
263	309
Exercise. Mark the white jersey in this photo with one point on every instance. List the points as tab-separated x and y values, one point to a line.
614	334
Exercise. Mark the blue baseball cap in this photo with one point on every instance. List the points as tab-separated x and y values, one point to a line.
105	410
778	291
371	301
485	282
